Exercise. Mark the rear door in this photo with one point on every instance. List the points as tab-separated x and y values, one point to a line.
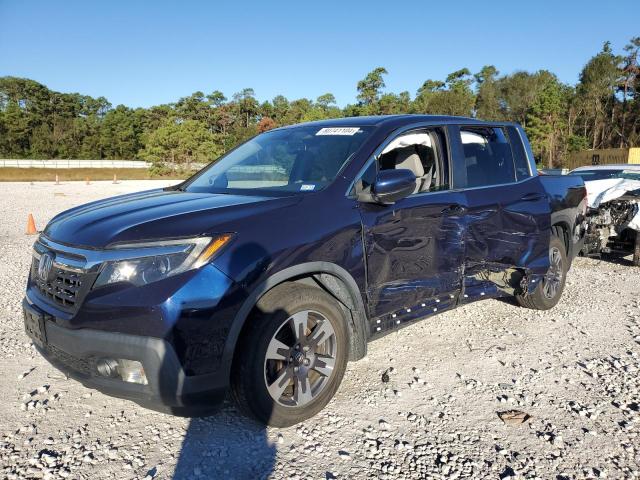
414	248
508	216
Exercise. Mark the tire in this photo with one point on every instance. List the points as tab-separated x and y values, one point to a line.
548	294
281	377
636	251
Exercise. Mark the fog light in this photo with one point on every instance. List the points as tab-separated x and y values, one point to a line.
132	371
127	370
107	367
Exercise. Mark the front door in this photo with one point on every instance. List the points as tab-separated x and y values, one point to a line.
414	248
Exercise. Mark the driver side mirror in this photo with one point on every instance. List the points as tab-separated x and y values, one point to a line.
391	186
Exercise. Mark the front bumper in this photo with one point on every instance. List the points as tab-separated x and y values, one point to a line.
76	351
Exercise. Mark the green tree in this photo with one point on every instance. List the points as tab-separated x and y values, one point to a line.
369	89
326	101
193	107
426	94
630	91
487	96
451	97
297	111
17	129
603	110
518	92
546	120
596	92
247	105
120	134
179	144
280	109
26	104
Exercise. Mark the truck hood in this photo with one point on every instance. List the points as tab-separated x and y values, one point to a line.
603	191
156	215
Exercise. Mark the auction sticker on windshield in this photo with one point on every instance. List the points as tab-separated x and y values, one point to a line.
338	131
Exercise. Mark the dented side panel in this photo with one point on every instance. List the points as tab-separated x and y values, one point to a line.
414	250
508	226
568	203
433	251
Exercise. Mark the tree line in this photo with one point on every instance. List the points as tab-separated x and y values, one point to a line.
601	111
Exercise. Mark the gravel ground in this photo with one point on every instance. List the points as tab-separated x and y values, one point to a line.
423	404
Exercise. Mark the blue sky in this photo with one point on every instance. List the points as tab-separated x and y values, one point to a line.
146	53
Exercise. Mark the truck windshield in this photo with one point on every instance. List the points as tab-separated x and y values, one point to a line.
601	174
298	159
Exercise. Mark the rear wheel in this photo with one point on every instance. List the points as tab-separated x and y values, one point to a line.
548	294
292	357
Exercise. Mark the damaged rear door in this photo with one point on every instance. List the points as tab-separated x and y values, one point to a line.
508	213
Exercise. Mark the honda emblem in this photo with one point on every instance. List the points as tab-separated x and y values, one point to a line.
44	266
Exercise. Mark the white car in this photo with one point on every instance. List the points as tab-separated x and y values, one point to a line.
613	193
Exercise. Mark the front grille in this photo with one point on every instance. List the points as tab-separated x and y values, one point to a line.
78	364
63	289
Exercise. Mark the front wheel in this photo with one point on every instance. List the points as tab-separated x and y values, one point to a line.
548	294
292	356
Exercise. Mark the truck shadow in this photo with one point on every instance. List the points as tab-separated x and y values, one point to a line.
617	259
226	445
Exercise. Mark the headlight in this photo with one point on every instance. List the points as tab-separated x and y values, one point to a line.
142	263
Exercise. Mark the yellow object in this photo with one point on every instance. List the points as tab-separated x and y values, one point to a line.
213	247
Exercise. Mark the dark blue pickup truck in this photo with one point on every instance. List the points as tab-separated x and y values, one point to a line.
267	271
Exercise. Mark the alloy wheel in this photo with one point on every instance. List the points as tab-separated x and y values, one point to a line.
553	278
300	359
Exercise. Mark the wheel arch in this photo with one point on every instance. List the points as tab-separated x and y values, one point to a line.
565	233
566	223
328	276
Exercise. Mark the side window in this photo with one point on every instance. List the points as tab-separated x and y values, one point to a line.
420	151
519	154
487	155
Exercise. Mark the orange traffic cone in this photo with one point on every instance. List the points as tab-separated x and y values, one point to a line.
115	178
57	180
87	181
31	226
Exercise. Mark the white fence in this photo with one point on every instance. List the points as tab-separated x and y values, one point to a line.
26	163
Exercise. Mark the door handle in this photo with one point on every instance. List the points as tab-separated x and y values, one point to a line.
532	197
454	210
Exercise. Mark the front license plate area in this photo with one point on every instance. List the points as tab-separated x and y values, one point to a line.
34	326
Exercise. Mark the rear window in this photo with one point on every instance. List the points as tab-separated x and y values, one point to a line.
520	159
487	155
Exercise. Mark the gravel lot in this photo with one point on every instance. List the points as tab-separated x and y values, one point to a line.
572	370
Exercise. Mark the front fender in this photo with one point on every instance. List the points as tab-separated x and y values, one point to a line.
358	328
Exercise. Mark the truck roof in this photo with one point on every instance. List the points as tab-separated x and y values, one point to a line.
395	121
